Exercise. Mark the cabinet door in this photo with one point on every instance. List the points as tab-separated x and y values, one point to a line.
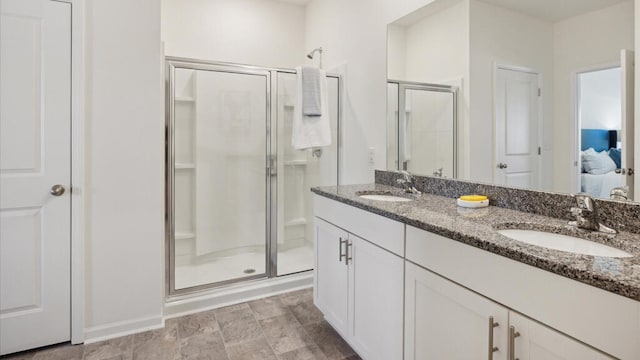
375	300
331	274
446	321
538	342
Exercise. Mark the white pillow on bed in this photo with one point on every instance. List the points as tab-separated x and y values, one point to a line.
597	162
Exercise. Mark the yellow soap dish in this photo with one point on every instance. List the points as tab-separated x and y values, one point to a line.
473	201
473	197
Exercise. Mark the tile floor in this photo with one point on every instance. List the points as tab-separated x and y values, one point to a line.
283	327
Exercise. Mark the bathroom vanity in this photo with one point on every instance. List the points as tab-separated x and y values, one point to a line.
424	279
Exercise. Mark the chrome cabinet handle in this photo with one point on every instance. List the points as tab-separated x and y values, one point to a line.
57	190
340	249
492	348
502	166
348	255
513	334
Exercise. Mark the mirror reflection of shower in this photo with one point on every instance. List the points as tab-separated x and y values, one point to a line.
312	53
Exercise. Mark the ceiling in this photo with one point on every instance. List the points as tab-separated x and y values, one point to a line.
550	10
553	10
296	2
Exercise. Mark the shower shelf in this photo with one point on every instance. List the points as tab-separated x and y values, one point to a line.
296	222
184	235
185	166
184	99
296	163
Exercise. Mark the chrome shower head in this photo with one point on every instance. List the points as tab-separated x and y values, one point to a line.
312	53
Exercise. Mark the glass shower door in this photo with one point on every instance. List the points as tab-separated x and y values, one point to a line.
422	128
220	182
239	204
428	132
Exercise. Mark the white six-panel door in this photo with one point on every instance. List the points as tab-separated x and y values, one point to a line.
516	128
35	80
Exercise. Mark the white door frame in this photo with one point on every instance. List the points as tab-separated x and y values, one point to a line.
497	66
574	163
78	187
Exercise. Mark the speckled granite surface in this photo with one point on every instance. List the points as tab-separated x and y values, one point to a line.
620	215
478	227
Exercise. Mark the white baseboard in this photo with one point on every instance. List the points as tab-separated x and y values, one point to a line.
192	303
230	295
122	328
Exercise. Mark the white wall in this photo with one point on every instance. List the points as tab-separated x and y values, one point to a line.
354	36
396	52
124	131
574	48
501	36
437	47
254	32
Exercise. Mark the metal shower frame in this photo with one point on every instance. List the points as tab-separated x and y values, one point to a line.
173	63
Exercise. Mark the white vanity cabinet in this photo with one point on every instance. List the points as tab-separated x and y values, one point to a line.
444	320
535	341
453	288
358	282
395	291
331	274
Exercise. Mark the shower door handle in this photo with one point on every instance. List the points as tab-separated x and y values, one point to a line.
272	168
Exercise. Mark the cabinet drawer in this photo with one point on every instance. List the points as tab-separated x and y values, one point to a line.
382	231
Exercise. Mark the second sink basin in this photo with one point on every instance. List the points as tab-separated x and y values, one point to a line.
563	243
380	196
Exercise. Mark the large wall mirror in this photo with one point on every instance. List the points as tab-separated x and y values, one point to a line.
544	91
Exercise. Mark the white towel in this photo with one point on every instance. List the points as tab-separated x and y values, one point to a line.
311	101
311	131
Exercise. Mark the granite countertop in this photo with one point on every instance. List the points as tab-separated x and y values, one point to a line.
478	227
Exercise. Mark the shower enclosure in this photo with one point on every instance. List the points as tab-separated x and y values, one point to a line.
238	199
422	128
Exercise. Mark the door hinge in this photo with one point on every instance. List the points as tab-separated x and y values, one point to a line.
539	151
539	92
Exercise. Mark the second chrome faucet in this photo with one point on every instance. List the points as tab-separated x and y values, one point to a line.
408	182
586	215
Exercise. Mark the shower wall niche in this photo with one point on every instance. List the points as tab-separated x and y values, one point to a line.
239	205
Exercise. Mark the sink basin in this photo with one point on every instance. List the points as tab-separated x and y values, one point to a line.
563	243
384	197
380	196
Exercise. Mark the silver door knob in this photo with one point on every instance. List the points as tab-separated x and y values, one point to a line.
57	190
630	172
502	166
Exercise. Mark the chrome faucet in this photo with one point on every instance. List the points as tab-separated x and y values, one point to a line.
586	214
619	193
408	182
